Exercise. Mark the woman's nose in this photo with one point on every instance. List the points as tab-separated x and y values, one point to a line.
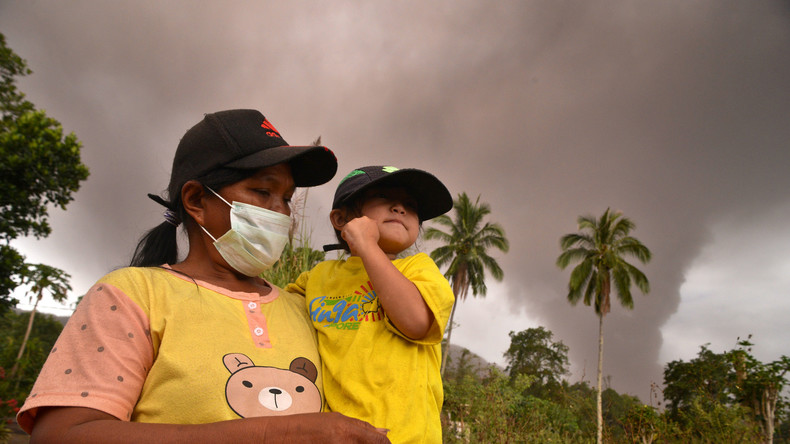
282	207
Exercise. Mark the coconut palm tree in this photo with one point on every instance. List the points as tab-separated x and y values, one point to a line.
601	246
465	251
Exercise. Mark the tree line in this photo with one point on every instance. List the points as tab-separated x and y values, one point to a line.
724	397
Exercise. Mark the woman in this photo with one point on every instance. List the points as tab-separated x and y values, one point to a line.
202	349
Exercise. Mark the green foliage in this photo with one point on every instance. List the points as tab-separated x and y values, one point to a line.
730	391
465	251
14	390
39	167
495	409
709	401
533	353
601	247
616	408
12	101
44	278
703	381
641	424
759	386
41	278
466	244
293	262
12	265
715	423
43	335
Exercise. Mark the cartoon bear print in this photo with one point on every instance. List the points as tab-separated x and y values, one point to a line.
270	391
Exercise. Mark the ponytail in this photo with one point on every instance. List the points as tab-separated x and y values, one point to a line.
158	246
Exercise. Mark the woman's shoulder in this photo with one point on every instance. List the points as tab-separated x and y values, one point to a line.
133	279
135	274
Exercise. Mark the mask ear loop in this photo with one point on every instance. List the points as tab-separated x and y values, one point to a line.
226	202
206	231
221	198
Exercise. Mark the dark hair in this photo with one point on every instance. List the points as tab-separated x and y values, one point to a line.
160	245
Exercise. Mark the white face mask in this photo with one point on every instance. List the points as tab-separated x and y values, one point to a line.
255	240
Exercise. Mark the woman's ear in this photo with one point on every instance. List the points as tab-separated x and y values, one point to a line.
338	218
193	196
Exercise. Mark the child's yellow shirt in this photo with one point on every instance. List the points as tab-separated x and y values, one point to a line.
371	371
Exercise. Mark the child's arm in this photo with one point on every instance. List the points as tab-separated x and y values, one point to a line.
400	298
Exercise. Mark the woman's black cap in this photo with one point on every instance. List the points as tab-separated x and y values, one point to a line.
245	139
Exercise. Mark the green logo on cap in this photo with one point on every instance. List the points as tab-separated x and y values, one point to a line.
352	174
386	169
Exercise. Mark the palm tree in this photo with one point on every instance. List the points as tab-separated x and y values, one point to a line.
601	246
41	278
466	251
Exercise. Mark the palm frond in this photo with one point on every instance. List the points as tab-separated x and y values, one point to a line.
600	248
467	238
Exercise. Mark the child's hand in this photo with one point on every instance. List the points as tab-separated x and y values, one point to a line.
360	233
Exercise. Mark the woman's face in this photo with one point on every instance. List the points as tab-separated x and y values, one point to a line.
271	188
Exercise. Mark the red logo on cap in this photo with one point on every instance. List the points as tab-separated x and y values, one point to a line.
272	130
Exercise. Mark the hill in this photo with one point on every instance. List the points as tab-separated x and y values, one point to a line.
461	356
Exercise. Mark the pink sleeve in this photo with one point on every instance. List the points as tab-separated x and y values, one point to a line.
99	361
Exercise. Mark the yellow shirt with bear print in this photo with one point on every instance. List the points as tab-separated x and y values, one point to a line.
153	345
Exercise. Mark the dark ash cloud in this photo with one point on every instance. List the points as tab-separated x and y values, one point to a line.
673	112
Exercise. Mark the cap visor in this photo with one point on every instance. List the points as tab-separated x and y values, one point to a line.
310	165
433	198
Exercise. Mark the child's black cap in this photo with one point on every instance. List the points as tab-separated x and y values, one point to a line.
432	196
245	139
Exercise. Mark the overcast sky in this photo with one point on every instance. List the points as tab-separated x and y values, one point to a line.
676	113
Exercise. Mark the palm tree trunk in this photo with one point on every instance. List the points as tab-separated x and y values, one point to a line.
599	412
15	367
447	346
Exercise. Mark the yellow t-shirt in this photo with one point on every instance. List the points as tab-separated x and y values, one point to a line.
371	371
151	345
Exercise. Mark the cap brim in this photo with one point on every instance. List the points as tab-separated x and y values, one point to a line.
433	198
310	165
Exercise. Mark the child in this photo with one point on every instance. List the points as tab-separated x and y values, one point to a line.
380	320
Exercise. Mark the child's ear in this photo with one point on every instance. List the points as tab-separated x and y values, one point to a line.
193	197
338	218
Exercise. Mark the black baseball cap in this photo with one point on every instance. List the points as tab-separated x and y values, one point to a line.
245	139
433	198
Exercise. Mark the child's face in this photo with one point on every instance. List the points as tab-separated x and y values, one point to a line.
395	214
